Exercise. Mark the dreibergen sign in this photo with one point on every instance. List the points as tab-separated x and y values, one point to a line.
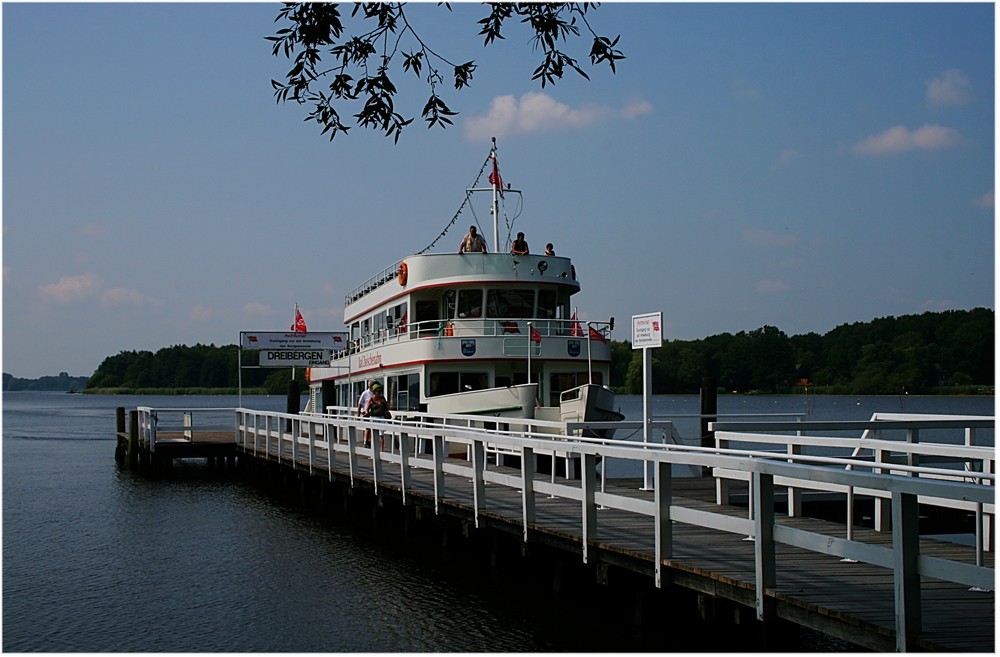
647	330
295	358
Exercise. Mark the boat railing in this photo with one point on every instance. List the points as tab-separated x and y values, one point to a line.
467	327
378	280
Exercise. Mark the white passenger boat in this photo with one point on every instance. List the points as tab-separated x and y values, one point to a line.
487	334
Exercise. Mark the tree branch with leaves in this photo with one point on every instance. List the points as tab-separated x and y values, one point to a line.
335	68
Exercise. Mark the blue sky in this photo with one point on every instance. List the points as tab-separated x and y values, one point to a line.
793	165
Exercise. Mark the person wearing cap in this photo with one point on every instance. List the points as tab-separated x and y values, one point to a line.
378	406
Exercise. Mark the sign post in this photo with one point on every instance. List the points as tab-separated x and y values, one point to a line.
647	333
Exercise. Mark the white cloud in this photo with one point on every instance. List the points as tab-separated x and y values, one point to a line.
255	309
771	286
949	89
900	139
120	296
636	109
537	112
767	238
69	289
985	201
788	156
200	313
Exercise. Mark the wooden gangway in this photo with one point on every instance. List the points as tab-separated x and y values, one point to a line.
884	590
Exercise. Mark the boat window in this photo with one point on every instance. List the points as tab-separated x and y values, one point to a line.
562	381
511	303
404	392
547	304
449	304
447	383
427	317
396	317
470	303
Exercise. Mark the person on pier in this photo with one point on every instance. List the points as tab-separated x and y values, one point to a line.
472	242
378	407
363	404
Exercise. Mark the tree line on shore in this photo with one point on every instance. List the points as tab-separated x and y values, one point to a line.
933	353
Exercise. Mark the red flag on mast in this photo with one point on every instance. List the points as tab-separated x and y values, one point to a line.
535	335
576	330
300	324
495	178
597	335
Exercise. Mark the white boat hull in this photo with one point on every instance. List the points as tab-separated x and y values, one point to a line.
513	401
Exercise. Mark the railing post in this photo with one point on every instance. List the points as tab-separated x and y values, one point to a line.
663	524
404	463
763	552
527	488
377	457
905	555
133	439
882	506
439	457
588	479
478	484
352	451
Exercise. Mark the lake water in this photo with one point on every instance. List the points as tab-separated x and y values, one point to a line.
96	559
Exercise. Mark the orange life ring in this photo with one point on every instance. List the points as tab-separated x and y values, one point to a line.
402	273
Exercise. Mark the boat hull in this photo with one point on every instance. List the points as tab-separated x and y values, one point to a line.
510	401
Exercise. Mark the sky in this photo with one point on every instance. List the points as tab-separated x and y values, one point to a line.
800	166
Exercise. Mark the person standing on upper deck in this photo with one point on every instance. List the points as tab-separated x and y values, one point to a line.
472	242
519	246
549	251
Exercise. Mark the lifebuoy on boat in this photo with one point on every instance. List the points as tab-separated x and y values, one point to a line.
402	273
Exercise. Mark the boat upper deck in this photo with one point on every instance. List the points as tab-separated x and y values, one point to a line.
419	272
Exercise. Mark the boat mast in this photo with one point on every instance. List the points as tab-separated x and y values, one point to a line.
495	183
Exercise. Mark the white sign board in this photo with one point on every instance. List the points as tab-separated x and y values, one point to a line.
295	357
313	340
647	330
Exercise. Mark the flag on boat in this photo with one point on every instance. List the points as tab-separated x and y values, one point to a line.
597	335
495	178
576	330
300	324
510	327
535	335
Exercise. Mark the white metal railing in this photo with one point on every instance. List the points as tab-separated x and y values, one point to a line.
513	328
875	452
180	423
325	441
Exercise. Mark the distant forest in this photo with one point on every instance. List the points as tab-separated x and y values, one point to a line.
932	353
62	383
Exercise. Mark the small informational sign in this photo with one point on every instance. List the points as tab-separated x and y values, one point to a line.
311	341
295	357
647	330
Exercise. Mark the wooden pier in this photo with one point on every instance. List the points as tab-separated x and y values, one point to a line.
758	565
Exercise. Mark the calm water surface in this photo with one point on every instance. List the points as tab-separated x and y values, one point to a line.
100	560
